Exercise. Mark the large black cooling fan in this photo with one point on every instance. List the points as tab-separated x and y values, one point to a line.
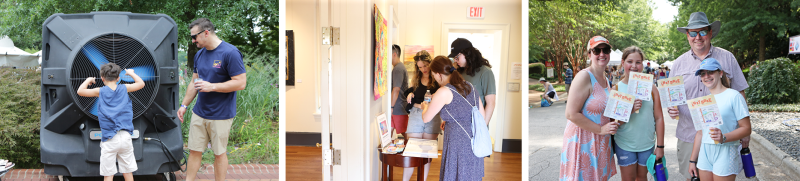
123	51
74	47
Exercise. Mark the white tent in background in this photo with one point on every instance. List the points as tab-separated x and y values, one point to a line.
668	64
616	57
12	56
39	54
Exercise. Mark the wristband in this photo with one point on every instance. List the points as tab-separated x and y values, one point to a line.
184	106
695	162
659	146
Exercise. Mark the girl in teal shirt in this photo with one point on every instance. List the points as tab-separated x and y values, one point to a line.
636	140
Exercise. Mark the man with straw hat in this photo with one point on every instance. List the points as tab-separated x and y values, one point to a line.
699	34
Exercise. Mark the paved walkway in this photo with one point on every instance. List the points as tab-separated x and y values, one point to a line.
240	172
545	148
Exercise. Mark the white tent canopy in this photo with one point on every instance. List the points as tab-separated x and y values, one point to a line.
12	56
668	64
616	57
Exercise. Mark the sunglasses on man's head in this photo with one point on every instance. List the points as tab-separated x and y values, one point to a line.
606	50
195	35
701	32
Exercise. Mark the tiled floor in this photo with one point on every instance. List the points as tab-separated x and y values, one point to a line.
240	172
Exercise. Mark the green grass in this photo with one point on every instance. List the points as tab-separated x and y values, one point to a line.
254	133
540	87
775	107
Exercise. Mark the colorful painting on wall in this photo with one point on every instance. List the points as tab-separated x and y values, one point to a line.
381	55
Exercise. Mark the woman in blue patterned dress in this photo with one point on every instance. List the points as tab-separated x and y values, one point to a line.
586	151
454	99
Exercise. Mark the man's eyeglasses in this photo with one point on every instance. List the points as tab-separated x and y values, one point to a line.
195	35
701	32
606	50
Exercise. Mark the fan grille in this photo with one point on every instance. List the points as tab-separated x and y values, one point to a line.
123	51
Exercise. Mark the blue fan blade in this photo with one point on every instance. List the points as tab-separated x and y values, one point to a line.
95	56
145	72
94	107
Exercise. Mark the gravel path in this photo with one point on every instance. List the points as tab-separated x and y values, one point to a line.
771	126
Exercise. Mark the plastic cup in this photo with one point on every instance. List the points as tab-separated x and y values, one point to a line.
195	81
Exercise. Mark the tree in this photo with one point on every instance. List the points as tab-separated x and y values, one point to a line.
250	25
751	30
562	28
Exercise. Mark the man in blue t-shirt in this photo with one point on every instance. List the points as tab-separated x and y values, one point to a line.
218	73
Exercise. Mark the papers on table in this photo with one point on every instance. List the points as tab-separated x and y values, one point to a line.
397	147
619	106
641	85
421	148
705	112
672	92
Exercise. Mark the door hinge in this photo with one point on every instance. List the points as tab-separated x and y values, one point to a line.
332	157
330	35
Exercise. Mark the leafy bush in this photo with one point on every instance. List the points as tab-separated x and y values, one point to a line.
775	81
775	107
536	68
19	116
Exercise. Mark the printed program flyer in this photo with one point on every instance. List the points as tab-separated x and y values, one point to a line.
641	85
672	92
619	106
705	112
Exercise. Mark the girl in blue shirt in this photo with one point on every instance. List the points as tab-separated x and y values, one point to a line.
720	161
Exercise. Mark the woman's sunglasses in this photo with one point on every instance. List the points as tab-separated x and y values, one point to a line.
606	50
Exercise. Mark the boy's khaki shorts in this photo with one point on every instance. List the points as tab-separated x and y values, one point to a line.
202	130
117	149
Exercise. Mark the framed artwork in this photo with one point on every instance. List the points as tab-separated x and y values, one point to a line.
289	58
380	53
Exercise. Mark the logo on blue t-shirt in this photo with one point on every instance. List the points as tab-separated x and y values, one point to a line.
217	63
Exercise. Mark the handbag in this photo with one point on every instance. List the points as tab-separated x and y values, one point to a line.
480	140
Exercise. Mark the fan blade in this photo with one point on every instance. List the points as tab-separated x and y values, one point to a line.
95	56
144	72
94	109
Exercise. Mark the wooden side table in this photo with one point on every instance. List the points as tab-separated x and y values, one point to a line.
398	160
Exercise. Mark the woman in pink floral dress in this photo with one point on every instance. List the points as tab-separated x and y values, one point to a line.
586	152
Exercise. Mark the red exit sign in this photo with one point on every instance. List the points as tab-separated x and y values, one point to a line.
474	12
